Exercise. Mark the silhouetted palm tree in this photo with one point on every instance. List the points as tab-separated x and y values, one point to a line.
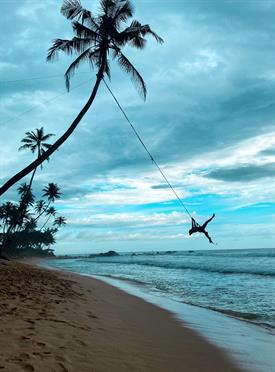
97	38
60	221
52	192
35	141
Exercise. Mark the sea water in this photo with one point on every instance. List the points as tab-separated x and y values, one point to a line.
239	283
233	283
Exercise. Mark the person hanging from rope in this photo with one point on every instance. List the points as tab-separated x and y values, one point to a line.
201	228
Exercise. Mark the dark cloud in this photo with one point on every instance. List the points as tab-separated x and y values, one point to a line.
268	152
244	173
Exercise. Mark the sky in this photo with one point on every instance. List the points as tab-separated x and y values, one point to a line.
208	121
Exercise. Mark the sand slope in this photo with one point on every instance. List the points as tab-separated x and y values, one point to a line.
52	321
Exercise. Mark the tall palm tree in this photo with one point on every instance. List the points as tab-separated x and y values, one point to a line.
97	38
36	142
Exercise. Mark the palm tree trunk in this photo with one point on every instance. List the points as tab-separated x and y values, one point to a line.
45	223
59	142
44	210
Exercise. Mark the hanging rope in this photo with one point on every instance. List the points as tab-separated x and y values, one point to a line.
146	149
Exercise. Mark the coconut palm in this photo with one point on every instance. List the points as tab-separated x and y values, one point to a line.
60	221
97	39
35	141
52	192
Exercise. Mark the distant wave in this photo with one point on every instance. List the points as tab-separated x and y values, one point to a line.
190	266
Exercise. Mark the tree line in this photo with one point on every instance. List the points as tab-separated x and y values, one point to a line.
29	226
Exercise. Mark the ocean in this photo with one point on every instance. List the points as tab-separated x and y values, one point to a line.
238	283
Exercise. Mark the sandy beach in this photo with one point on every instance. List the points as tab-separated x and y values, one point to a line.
55	321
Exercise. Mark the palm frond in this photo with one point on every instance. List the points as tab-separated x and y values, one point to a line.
124	10
68	46
127	66
92	23
59	44
147	30
46	145
73	66
26	140
47	136
85	32
137	29
107	7
138	42
72	9
24	147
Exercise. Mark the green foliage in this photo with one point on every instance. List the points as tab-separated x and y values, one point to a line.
23	224
101	36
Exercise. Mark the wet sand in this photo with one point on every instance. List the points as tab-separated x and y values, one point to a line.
55	321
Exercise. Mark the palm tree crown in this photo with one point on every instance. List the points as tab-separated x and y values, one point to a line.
99	36
52	192
60	221
35	141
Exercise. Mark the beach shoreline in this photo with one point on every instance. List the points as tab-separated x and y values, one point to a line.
59	321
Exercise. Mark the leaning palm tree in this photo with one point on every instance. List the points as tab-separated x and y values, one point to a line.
97	39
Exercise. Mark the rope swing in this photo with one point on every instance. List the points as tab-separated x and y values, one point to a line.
195	226
146	149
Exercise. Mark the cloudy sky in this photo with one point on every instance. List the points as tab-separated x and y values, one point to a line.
208	120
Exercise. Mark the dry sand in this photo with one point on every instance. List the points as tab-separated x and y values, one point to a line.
53	321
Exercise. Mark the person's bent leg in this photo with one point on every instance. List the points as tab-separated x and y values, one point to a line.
208	237
207	222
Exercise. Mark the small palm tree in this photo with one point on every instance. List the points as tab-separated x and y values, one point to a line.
97	38
52	192
60	221
36	142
